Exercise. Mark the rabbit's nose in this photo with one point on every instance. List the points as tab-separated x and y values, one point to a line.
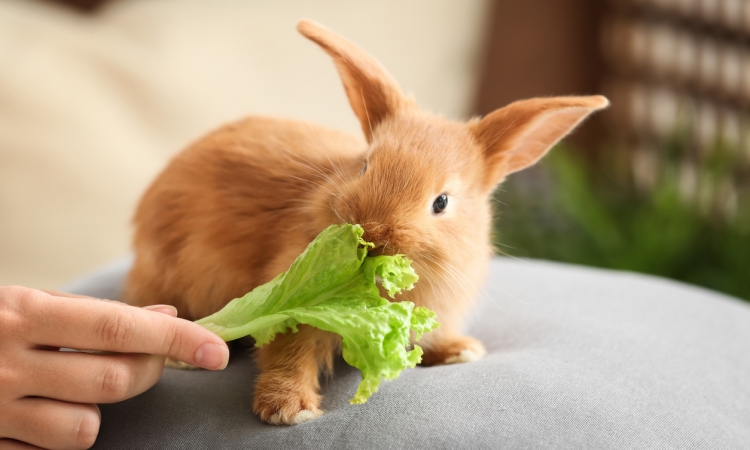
379	234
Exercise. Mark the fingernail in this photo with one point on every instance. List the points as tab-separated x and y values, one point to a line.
164	309
212	356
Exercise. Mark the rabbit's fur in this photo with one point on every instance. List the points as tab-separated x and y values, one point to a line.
238	206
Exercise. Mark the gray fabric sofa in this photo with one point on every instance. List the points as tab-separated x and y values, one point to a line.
578	358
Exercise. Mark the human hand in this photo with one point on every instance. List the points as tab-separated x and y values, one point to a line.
48	397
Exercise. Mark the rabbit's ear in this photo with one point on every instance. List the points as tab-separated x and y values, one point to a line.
518	135
372	91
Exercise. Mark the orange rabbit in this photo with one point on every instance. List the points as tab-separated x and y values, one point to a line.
238	206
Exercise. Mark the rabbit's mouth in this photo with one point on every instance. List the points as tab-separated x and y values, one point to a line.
377	251
380	234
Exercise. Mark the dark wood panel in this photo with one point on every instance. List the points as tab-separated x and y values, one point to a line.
540	48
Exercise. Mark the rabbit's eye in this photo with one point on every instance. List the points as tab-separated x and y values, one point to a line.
364	169
440	203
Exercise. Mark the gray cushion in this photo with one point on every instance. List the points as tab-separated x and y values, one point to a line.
578	358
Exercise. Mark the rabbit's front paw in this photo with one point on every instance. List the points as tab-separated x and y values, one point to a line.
279	406
287	411
458	349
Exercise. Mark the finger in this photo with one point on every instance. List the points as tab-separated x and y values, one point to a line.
64	294
87	378
164	309
49	423
12	444
83	324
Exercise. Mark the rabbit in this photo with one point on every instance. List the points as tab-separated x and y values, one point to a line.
237	207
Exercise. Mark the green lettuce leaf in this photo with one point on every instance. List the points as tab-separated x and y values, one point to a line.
332	286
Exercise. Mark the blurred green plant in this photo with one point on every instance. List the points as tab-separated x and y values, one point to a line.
692	223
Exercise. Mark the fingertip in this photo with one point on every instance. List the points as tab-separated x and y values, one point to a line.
164	309
88	427
97	410
212	356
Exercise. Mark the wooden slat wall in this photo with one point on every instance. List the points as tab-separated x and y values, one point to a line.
677	64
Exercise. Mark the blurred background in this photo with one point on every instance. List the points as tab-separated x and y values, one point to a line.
658	184
95	96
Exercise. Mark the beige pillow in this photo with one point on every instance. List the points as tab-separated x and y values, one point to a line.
92	106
